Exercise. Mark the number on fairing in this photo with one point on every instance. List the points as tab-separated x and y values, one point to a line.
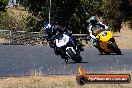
62	40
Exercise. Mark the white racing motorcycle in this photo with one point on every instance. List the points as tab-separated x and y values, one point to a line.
68	48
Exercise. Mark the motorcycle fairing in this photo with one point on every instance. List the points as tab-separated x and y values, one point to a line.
104	38
62	40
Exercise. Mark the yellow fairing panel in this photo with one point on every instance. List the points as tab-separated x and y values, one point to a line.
104	36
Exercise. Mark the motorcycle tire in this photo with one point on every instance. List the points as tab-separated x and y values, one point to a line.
71	54
116	49
107	53
101	50
78	59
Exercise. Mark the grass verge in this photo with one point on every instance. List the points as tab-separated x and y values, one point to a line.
54	81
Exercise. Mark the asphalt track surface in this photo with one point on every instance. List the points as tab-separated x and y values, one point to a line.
19	60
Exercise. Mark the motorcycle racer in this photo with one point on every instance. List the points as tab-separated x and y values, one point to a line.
52	31
94	28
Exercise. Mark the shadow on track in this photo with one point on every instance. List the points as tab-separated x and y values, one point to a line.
77	63
110	54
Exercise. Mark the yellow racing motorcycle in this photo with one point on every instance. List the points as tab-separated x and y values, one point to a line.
107	43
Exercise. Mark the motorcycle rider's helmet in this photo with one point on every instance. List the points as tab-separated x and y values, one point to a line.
93	19
47	27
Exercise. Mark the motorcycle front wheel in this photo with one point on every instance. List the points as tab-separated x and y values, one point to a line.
78	60
116	49
73	56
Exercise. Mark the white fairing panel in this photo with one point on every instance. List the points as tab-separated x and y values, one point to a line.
63	41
